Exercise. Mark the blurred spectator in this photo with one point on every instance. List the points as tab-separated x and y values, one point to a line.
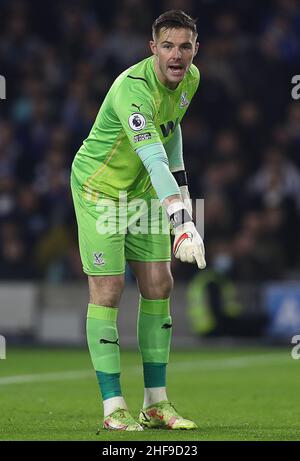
31	215
15	263
280	38
51	181
214	302
276	179
9	151
7	198
134	45
293	123
251	264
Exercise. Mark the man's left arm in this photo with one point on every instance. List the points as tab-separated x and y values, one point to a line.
174	151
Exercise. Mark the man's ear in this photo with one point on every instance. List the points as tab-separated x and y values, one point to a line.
153	47
196	48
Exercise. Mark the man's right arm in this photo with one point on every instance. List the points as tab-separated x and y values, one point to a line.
174	151
144	139
155	160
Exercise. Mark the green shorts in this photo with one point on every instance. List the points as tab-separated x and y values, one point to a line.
112	232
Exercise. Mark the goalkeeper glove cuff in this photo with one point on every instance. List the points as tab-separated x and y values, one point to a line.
188	244
178	214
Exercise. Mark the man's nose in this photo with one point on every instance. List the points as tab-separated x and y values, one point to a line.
176	53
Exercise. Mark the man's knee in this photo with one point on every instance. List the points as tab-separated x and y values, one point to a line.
167	285
159	287
106	290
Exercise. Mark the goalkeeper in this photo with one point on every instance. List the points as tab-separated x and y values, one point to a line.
135	146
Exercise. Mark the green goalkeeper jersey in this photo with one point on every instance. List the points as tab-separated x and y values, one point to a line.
138	110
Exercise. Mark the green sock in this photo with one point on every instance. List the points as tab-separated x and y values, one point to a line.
103	342
154	338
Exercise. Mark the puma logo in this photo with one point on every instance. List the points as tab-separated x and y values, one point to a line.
138	107
145	416
106	341
167	325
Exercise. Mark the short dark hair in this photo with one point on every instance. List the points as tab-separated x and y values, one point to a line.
174	19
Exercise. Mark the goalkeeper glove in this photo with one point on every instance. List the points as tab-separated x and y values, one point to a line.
188	245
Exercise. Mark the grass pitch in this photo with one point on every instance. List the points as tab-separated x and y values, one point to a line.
238	394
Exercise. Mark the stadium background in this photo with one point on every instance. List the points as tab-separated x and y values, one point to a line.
241	149
241	134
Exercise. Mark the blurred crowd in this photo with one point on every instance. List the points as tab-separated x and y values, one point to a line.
241	133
